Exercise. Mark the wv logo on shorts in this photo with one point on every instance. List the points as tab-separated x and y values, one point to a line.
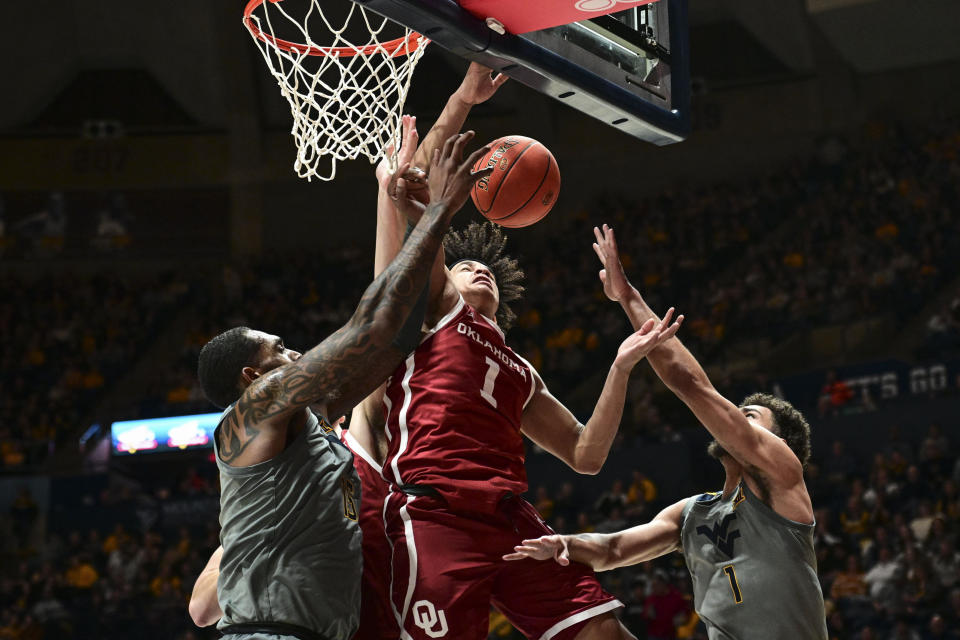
719	535
426	616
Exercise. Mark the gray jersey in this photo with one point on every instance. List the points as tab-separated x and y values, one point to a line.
291	541
754	572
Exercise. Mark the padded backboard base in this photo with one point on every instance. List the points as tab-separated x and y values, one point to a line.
650	105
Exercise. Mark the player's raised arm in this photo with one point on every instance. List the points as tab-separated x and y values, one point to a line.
751	445
584	447
478	85
343	369
604	551
204	607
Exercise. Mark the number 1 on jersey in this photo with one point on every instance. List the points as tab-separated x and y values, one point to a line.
493	370
734	585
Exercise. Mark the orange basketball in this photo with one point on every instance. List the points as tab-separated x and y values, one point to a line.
523	186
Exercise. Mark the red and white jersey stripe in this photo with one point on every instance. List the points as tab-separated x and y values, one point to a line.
454	409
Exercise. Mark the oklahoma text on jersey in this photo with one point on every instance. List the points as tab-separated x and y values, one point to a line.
454	411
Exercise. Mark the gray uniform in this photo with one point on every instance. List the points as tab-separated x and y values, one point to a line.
291	542
754	572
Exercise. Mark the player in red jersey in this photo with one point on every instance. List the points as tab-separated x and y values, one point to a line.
377	621
456	410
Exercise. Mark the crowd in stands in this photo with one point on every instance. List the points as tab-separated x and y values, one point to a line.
66	340
821	242
943	331
123	574
30	229
887	533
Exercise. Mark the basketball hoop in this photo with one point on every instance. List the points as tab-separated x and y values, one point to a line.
346	99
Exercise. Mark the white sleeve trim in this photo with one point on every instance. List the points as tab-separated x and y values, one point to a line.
358	450
445	320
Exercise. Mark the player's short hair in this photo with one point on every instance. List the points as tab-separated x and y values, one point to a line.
221	361
485	243
788	423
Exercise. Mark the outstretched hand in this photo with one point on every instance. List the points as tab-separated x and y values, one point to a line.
650	335
407	185
542	548
451	177
615	283
479	84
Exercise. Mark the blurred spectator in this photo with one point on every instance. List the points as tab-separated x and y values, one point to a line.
615	497
47	228
81	575
662	607
850	582
839	465
112	233
834	395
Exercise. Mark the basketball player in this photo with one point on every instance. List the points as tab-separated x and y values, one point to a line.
455	413
365	437
289	493
376	616
749	548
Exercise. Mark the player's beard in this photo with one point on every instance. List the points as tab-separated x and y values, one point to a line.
716	451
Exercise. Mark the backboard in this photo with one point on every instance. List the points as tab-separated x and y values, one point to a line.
629	69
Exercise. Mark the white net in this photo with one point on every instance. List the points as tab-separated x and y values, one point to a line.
346	92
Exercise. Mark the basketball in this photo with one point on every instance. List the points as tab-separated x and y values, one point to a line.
523	186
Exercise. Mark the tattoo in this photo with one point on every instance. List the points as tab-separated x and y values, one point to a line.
232	439
353	361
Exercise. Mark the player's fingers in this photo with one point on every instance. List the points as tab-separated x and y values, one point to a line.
527	550
598	235
665	322
515	556
392	185
499	79
395	178
448	146
672	329
401	190
482	173
460	143
410	136
474	157
603	276
670	332
646	327
600	253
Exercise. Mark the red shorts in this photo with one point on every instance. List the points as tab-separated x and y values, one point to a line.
377	620
448	569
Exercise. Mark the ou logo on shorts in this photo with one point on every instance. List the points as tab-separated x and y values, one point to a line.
598	5
425	616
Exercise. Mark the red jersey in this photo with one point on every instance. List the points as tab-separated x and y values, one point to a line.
453	413
377	621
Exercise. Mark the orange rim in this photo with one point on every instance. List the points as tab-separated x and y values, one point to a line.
394	48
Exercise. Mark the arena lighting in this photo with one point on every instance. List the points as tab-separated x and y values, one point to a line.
158	435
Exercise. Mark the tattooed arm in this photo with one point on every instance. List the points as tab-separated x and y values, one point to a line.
343	369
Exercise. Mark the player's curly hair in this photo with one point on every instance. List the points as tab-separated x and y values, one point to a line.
486	242
788	422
